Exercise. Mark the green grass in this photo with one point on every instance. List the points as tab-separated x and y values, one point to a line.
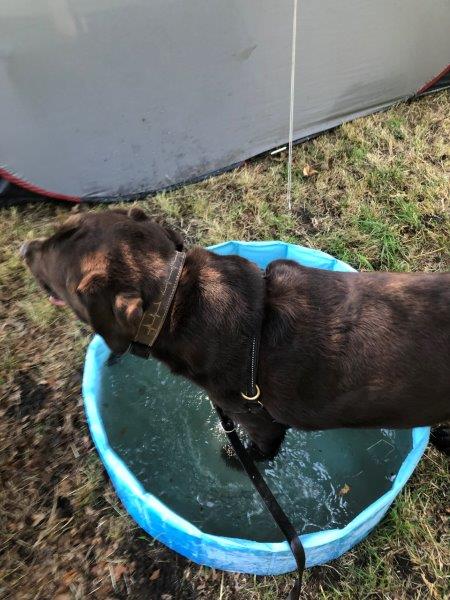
379	200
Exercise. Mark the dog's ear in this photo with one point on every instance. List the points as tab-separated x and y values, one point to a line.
137	214
128	310
67	229
91	283
174	237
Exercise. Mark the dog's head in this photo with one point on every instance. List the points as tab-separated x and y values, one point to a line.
107	266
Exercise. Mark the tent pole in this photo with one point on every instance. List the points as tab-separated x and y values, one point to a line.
291	107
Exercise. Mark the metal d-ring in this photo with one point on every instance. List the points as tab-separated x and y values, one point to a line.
229	431
255	397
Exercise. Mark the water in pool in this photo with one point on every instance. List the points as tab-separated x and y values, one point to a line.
164	429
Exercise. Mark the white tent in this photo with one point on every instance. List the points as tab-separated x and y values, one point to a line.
106	98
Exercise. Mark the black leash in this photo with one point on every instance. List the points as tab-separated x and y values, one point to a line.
269	500
252	397
148	331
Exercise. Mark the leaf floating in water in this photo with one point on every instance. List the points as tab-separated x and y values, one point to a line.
344	489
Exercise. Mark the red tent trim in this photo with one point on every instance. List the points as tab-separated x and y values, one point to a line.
435	79
35	188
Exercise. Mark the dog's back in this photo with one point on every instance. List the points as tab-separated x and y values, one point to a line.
359	349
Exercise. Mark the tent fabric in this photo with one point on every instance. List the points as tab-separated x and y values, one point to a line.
110	98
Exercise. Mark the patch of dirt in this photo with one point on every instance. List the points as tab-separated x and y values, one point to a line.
403	565
152	578
325	576
31	395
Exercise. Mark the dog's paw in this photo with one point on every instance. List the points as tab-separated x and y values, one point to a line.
258	455
440	438
229	456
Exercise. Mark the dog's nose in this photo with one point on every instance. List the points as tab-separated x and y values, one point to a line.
24	249
29	248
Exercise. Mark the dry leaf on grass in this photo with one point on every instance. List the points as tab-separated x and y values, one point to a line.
155	575
68	577
308	171
119	570
38	518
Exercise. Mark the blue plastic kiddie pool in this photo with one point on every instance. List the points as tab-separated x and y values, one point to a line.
231	552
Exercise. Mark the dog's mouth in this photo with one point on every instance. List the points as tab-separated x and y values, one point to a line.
56	301
53	297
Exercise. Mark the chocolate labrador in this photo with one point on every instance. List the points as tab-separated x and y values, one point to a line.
336	349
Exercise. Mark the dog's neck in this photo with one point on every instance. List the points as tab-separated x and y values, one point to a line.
216	308
155	315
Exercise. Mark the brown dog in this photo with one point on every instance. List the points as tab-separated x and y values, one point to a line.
337	349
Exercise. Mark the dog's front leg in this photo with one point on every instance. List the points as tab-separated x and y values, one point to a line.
266	435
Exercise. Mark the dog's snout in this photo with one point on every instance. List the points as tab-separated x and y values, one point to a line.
28	248
24	249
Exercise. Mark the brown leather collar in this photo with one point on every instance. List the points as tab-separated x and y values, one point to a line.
155	315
